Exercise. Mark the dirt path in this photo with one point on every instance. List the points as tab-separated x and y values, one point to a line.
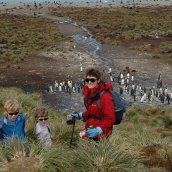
146	67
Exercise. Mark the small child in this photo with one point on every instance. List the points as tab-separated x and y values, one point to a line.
12	123
42	129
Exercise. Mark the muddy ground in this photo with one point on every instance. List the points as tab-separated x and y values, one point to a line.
41	69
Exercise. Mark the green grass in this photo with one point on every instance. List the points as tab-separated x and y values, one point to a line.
104	157
166	47
22	35
137	144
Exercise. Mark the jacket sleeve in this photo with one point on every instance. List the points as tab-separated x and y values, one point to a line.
1	125
24	123
85	115
107	108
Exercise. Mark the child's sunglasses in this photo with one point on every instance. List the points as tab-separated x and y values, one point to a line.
90	79
41	119
15	113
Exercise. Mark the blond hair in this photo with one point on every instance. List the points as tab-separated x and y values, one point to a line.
41	112
11	106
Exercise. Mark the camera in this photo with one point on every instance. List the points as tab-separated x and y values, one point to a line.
70	120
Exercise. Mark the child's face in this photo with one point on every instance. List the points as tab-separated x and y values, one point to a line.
13	115
42	120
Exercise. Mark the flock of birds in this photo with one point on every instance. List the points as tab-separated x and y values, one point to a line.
124	84
141	93
67	86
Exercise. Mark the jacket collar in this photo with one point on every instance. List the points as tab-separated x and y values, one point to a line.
101	86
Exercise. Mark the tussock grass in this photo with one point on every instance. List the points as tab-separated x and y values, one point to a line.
10	152
165	132
157	154
135	145
103	157
56	159
153	116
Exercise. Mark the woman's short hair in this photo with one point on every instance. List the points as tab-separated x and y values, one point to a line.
93	72
11	106
41	112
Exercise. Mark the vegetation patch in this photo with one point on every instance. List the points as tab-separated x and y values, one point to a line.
27	164
165	132
104	156
154	155
140	29
166	47
21	35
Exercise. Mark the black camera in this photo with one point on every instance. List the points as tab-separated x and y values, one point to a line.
70	120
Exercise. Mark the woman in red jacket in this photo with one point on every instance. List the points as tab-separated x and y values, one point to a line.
98	120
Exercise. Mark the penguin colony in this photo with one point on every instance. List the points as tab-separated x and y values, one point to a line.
141	93
125	85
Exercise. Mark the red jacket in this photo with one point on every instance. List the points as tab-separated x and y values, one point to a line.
106	109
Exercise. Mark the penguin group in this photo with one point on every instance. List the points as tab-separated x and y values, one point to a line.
140	92
125	85
67	86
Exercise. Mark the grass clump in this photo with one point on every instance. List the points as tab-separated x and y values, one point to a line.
157	154
56	159
13	157
166	47
103	157
167	122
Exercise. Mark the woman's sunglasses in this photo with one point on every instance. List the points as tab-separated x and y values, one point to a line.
42	119
90	79
15	113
